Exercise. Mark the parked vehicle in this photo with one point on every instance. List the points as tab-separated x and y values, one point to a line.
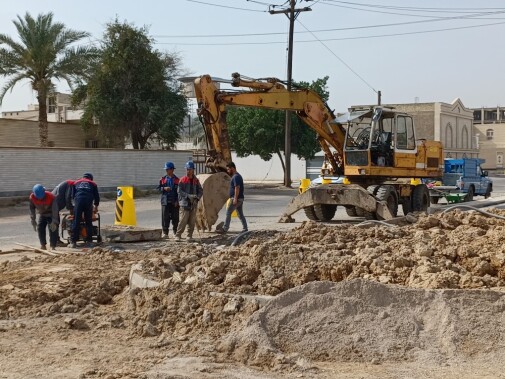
462	180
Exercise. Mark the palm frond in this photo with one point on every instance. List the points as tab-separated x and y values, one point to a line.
11	83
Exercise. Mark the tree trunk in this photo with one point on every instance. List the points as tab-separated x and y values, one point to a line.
43	129
282	161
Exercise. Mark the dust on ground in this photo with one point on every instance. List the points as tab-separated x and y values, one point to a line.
422	300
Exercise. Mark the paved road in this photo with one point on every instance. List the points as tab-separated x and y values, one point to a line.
262	208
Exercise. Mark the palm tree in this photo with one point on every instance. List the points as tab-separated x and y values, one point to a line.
43	55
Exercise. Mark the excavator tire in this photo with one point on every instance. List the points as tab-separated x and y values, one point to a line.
388	194
351	211
325	212
371	215
420	198
406	206
310	213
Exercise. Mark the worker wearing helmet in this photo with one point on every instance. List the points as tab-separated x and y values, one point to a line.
44	202
169	200
190	192
85	194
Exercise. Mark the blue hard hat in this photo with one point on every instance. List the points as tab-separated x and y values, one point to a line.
88	175
169	166
190	165
39	191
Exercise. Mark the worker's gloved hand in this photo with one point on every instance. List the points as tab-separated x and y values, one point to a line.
53	227
34	224
191	197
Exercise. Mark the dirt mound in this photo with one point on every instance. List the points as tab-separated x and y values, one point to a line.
365	321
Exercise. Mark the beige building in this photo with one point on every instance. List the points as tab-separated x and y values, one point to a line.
59	109
490	126
452	124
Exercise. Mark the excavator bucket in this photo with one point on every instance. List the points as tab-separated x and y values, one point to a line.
215	193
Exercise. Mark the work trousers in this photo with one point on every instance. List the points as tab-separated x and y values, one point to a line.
186	217
169	213
229	210
83	207
42	225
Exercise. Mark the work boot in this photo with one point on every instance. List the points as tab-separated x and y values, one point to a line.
178	238
190	239
164	236
42	247
61	243
72	245
53	247
89	244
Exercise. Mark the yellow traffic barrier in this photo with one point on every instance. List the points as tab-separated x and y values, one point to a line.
125	207
326	181
234	213
304	185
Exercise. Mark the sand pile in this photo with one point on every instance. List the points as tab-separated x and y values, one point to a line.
365	321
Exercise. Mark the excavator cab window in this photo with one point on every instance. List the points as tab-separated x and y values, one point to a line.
381	149
405	138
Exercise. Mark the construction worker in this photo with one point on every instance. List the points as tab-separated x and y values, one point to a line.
236	199
45	203
63	194
169	200
190	191
85	194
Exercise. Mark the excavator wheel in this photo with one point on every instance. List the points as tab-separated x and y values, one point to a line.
420	198
388	194
351	211
325	212
310	213
354	211
371	215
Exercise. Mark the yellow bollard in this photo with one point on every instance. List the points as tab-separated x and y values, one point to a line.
125	207
304	184
234	213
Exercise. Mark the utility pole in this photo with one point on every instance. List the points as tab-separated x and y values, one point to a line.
292	13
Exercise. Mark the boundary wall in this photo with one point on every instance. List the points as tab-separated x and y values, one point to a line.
22	167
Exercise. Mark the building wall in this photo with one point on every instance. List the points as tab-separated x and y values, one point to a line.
26	133
253	168
492	150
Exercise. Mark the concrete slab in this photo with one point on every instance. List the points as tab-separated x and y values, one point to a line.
121	233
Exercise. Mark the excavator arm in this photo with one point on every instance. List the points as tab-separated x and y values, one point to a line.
267	94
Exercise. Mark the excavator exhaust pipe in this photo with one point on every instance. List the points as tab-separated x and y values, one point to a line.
215	189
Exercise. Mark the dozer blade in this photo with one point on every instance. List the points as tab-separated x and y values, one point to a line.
336	194
215	194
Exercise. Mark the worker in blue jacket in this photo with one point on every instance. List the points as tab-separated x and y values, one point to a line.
85	194
169	200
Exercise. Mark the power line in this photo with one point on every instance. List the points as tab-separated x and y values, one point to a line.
225	6
331	39
340	59
474	16
417	9
401	14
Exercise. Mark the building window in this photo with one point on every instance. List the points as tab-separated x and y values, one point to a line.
489	133
52	105
477	115
464	138
448	135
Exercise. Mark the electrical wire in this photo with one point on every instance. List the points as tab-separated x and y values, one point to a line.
225	6
340	59
415	9
438	19
332	39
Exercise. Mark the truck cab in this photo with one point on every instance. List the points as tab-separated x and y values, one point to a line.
468	176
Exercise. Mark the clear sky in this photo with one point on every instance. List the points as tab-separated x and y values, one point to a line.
430	50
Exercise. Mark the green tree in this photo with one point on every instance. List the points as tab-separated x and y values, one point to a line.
255	131
133	91
43	54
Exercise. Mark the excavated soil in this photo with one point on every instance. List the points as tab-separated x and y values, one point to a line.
421	300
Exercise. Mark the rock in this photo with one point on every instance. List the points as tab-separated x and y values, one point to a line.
232	306
75	323
150	330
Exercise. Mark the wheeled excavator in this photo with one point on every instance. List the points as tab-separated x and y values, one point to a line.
374	148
